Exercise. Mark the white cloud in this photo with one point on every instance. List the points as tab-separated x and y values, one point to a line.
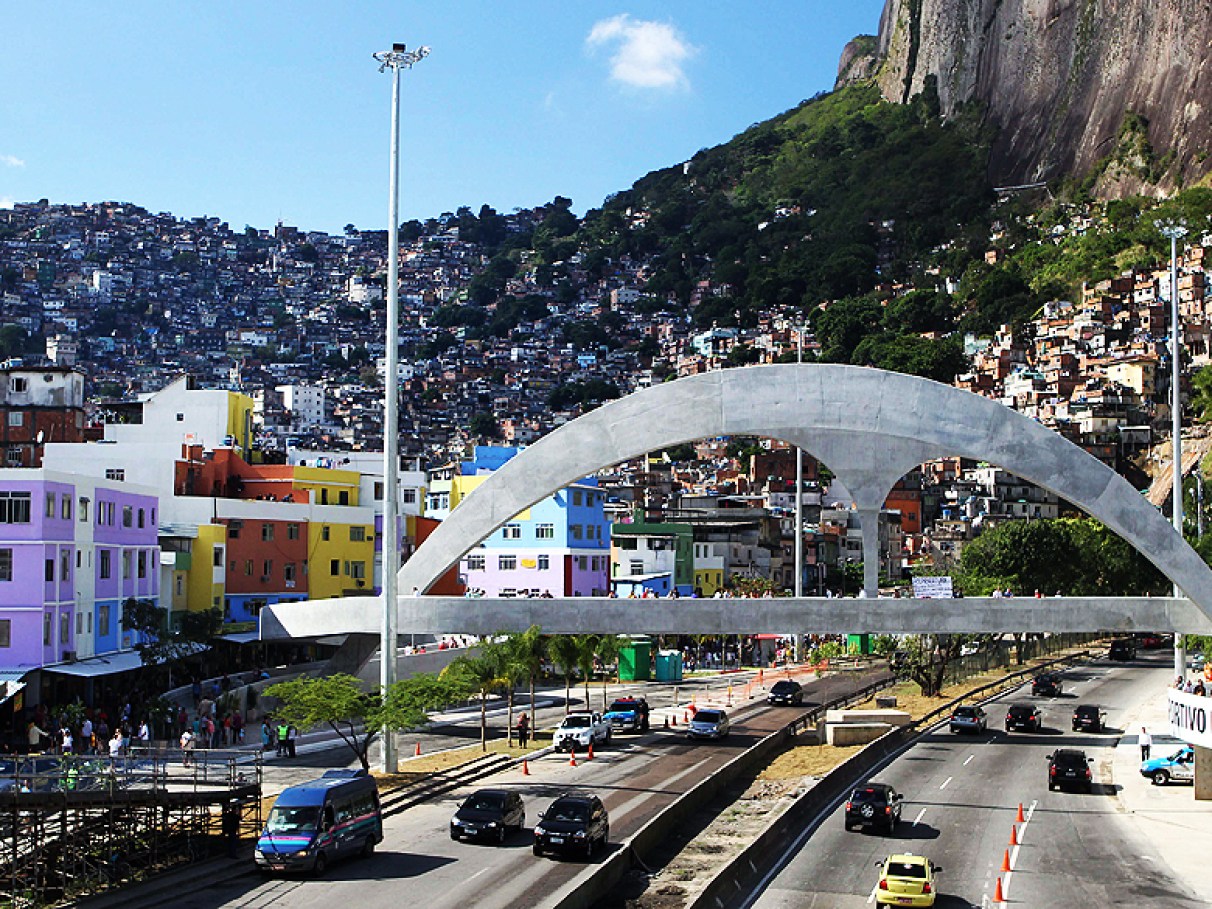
11	161
643	54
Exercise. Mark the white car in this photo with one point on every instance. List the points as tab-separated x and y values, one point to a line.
580	730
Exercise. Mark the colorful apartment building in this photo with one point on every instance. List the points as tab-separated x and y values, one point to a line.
559	546
72	551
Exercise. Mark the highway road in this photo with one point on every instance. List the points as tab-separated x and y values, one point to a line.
961	798
419	865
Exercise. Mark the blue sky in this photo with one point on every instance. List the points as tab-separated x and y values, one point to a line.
260	111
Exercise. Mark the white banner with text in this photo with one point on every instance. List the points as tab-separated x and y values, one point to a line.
1190	716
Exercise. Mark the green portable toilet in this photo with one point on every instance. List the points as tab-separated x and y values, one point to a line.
668	666
858	643
635	660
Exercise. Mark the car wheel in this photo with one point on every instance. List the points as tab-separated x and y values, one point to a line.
848	825
368	848
1160	777
536	850
320	865
454	836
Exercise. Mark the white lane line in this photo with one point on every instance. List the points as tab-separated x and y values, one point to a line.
871	895
970	757
1014	852
623	809
919	817
945	782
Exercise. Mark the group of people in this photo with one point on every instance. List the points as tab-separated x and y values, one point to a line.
1192	687
90	734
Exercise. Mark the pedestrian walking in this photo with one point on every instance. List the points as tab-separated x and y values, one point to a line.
291	733
1146	742
283	734
36	735
188	743
523	730
267	735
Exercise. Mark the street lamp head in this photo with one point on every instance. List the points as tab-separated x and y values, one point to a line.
1171	229
400	57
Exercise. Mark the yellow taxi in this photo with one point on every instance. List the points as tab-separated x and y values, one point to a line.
906	880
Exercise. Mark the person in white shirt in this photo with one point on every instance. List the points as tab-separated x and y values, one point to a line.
1146	742
115	744
86	736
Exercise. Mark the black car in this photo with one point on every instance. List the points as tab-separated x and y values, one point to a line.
1069	767
576	823
786	692
874	805
1047	685
1089	718
1122	649
488	814
1023	716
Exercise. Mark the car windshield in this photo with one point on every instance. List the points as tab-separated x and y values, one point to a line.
906	869
867	795
622	706
709	716
293	820
784	687
485	802
965	711
574	812
576	722
1087	711
1070	758
1020	709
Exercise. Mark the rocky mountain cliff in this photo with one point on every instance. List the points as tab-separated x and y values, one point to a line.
1115	90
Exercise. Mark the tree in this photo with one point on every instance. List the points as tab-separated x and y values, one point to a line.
530	648
481	674
926	657
608	647
161	646
354	713
484	424
587	650
564	651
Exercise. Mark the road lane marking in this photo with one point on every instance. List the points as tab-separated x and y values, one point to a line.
919	817
620	810
1014	853
945	782
970	757
871	895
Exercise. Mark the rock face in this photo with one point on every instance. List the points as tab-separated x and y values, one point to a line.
1121	86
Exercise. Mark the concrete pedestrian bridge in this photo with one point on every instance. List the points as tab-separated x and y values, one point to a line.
870	427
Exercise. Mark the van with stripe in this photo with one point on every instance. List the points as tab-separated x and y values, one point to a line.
318	822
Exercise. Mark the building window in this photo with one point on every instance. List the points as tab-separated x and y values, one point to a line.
105	567
217	557
408	496
180	585
378	493
268	566
357	570
267	532
65	507
19	384
126	566
334	567
544	562
292	531
65	565
65	628
13	456
49	571
15	507
474	563
141	564
357	534
627	543
50	504
6	632
325	533
46	629
288	572
583	563
577	497
343	497
6	564
142	517
79	624
637	566
512	531
575	530
102	621
248	568
115	473
16	418
507	562
128	516
544	532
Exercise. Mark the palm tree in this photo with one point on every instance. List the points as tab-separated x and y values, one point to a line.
608	652
530	648
564	651
587	649
482	675
512	669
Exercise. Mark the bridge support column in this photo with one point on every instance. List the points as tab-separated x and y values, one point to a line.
869	524
1203	773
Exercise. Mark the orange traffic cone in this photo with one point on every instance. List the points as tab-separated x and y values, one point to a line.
589	754
525	768
997	894
1006	860
417	751
1013	834
685	716
572	758
1020	817
675	719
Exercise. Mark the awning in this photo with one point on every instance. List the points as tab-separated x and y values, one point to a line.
9	689
122	661
242	637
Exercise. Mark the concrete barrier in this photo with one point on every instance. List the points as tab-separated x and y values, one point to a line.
842	734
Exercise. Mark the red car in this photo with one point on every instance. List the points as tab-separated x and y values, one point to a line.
1150	641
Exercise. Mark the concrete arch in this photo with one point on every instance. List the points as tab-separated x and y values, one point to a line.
869	425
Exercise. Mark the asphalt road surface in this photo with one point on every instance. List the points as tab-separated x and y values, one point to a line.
962	796
418	865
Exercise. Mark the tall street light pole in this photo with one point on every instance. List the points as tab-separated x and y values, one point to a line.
396	59
1174	231
799	508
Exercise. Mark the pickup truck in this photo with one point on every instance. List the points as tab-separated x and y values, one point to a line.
580	730
628	715
1178	766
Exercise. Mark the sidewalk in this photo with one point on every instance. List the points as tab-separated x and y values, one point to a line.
1168	816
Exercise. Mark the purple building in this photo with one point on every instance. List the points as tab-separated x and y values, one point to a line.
72	550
